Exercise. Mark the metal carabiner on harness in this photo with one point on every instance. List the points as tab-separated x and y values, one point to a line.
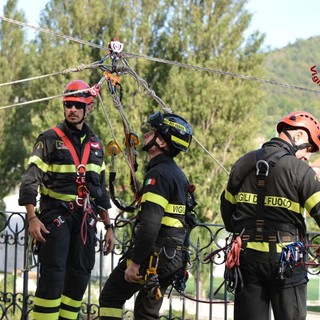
259	166
83	193
81	174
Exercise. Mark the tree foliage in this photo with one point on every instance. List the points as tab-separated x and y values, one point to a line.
200	39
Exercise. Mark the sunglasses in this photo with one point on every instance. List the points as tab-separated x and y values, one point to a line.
77	105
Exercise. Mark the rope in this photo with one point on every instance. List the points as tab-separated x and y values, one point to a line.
233	256
180	64
81	67
232	273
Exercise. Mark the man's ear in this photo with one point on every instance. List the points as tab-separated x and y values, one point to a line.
161	142
297	135
89	107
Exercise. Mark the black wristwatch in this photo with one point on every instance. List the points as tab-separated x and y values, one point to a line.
109	226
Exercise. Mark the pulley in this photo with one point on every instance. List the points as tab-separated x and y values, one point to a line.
113	148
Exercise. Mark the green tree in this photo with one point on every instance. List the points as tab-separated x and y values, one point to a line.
14	121
207	34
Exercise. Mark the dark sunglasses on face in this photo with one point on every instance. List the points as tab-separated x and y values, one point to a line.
77	105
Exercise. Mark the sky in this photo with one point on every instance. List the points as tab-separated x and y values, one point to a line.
282	21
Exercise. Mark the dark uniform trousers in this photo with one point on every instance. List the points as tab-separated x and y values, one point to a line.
65	266
261	287
117	290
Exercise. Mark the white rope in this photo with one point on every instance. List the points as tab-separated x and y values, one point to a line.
180	64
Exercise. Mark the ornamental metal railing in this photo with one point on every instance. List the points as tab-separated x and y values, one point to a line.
205	298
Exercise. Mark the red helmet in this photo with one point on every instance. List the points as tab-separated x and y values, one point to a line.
306	121
75	85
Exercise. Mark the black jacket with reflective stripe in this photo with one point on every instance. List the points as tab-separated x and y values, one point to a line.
292	185
51	167
162	207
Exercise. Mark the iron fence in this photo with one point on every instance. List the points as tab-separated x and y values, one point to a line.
205	298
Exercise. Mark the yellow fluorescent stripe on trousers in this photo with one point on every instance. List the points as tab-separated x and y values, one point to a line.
155	198
264	246
66	314
45	316
46	302
111	312
70	302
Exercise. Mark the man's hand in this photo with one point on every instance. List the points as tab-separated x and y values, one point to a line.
108	242
132	273
36	228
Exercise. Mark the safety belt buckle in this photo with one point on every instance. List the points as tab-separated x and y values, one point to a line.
262	167
81	174
79	201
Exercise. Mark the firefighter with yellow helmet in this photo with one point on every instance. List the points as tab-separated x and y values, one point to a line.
157	251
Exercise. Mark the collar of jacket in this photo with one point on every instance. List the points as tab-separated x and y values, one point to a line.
280	143
157	159
72	131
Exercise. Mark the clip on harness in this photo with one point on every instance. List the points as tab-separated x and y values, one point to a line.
83	197
151	285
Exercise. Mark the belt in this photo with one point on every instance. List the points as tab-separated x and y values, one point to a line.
53	203
277	238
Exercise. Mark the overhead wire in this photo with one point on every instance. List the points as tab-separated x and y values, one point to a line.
160	60
140	81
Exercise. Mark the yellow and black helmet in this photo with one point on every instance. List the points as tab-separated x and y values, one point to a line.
174	129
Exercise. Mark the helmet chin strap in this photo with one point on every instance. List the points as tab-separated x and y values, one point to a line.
152	143
297	147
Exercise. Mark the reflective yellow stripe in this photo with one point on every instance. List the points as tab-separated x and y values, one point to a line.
155	198
229	197
46	302
64	168
263	246
71	168
39	163
70	302
312	201
269	201
45	316
175	208
66	314
180	141
171	222
111	312
279	202
55	195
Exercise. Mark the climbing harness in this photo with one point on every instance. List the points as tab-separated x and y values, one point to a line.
83	196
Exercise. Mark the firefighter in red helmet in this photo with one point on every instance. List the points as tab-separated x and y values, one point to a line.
68	168
263	204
